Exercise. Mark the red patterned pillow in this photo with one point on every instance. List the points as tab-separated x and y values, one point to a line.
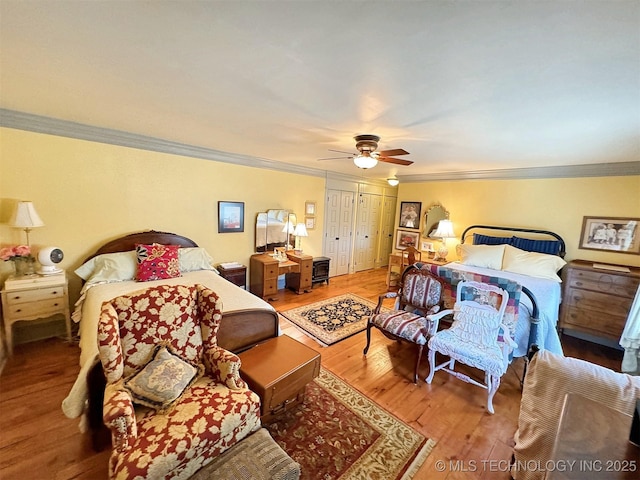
157	262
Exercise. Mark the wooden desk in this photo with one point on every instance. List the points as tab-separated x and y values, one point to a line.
265	270
593	443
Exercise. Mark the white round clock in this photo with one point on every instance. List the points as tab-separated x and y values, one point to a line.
49	257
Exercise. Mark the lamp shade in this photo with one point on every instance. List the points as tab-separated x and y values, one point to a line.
288	227
365	161
444	230
25	216
300	230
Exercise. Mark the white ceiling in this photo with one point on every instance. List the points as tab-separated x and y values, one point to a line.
461	85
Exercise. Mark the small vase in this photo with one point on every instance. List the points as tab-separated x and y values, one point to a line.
25	266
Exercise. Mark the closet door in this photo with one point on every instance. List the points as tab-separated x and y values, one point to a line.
339	212
367	231
387	230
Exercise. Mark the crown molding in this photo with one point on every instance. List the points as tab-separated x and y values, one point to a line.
64	128
560	171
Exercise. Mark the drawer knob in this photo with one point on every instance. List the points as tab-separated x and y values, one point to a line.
19	310
17	297
579	284
55	292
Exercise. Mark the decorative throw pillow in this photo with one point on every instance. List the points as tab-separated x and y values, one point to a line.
157	262
530	263
163	380
485	256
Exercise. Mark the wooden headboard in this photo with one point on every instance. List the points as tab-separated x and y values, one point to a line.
128	242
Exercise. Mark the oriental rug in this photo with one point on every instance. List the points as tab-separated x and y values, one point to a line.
333	319
340	434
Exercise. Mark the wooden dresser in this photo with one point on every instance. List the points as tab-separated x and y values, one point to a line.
596	301
265	269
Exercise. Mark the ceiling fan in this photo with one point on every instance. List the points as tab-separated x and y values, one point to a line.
368	156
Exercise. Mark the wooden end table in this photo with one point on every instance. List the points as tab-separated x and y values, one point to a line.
278	370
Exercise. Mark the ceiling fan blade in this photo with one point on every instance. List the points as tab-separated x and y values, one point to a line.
340	151
394	152
397	161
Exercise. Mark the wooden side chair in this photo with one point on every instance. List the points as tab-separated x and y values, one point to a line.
419	295
477	337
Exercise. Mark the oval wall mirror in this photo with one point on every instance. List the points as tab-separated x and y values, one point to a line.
434	214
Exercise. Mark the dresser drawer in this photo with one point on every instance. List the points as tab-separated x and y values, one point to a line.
41	294
618	285
41	308
598	323
599	302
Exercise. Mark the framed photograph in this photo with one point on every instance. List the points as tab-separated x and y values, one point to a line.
405	238
310	208
310	222
427	246
614	234
230	217
410	214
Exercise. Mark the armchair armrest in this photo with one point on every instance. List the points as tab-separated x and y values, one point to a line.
118	414
435	319
381	298
224	367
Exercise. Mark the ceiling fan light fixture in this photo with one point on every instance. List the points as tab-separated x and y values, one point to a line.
365	161
393	181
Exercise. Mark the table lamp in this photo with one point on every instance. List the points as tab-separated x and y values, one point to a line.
26	217
443	232
299	232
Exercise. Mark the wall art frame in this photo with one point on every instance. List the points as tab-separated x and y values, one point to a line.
405	238
611	234
410	215
230	217
310	222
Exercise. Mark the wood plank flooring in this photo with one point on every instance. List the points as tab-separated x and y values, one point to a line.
38	442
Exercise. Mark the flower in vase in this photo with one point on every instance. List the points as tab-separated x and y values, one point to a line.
16	252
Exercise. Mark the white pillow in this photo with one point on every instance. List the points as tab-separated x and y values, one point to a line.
109	267
533	264
194	258
486	256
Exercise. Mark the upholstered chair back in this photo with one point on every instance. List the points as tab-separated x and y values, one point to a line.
421	290
186	318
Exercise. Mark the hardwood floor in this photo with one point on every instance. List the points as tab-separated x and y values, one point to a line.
37	441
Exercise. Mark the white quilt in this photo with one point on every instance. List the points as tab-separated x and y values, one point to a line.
548	297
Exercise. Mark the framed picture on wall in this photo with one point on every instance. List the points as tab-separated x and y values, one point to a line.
310	222
405	238
230	217
309	208
410	214
614	234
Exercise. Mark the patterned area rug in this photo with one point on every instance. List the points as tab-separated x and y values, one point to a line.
338	433
332	320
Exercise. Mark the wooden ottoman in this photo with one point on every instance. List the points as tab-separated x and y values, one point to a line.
278	371
257	457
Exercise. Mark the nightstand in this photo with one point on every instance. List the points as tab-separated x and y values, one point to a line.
34	297
236	274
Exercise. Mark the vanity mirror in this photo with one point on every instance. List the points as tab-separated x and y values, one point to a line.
434	214
274	228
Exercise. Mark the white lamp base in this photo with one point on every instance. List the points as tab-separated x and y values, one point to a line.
441	254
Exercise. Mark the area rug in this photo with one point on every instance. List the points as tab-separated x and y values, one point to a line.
333	319
338	433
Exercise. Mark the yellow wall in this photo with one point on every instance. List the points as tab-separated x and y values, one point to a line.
88	193
557	204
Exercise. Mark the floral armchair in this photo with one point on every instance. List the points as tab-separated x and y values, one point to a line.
174	400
